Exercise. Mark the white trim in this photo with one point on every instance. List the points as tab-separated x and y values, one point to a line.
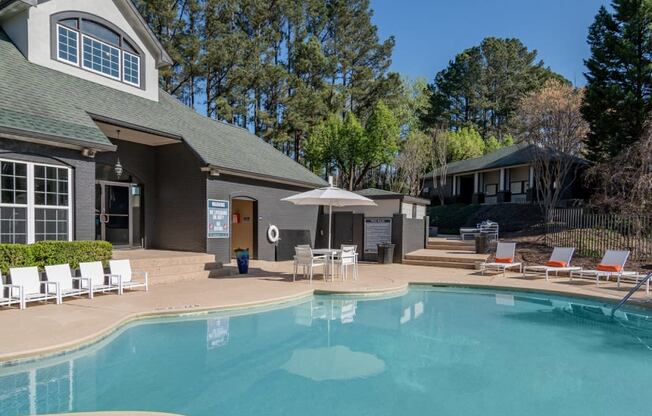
119	77
76	63
123	72
31	205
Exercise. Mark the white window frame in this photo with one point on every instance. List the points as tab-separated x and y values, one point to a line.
31	206
120	61
78	45
124	53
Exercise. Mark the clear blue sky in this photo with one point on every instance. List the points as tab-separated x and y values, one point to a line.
429	33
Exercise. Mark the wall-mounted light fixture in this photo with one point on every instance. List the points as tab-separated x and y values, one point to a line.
118	166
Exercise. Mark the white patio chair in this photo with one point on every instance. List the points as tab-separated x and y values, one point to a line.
612	264
5	293
98	281
303	257
122	276
559	262
26	286
504	259
61	276
347	257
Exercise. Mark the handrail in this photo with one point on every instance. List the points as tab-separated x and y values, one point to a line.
630	293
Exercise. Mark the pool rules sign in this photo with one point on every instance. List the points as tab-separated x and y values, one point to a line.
217	225
376	231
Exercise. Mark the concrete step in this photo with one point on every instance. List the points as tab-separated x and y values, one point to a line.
207	274
440	258
446	264
172	261
451	247
451	243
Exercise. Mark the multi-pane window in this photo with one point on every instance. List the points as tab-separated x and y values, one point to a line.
35	202
67	44
100	49
50	224
13	202
101	57
131	69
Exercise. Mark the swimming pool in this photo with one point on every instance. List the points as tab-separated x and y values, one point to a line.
431	351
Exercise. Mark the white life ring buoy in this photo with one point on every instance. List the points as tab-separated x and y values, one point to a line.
273	234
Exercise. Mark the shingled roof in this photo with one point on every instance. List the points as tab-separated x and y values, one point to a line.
517	154
47	104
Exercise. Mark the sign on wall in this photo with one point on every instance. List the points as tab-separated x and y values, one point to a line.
217	225
376	231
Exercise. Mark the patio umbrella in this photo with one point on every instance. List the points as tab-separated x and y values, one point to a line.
332	197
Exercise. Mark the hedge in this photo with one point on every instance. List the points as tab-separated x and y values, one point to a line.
46	253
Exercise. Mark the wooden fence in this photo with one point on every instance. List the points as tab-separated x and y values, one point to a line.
591	234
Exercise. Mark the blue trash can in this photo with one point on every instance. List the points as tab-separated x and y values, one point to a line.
242	257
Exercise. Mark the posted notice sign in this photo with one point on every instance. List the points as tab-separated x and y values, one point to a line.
376	231
218	218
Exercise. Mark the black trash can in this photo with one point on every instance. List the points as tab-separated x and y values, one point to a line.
481	243
386	253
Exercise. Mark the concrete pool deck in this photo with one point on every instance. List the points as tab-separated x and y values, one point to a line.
44	329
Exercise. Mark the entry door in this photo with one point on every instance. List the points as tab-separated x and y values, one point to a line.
115	213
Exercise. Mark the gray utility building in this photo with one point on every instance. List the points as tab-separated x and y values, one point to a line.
92	149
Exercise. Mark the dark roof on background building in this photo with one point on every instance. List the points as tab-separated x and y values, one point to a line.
517	154
47	104
374	193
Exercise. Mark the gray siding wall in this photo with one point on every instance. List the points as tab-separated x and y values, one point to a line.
83	173
408	235
180	223
271	210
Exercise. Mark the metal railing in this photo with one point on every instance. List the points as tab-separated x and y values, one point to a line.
630	293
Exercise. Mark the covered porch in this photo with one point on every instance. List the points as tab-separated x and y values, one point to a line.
493	186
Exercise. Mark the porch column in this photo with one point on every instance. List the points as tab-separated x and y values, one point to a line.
503	194
454	185
531	177
478	197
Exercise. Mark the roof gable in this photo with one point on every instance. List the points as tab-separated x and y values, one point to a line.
39	101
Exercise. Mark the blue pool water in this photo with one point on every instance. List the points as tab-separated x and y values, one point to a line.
432	351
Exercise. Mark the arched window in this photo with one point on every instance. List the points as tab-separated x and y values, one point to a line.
92	43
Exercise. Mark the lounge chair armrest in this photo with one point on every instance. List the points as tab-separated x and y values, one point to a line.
14	287
48	284
114	278
80	279
141	273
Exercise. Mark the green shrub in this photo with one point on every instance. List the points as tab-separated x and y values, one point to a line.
15	255
449	218
46	253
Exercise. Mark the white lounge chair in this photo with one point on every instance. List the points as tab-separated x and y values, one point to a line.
26	286
488	227
61	276
122	276
504	260
5	294
98	281
559	263
347	257
612	264
308	261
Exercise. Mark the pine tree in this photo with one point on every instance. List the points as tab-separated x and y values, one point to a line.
619	77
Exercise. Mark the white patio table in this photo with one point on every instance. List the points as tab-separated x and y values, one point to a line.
330	254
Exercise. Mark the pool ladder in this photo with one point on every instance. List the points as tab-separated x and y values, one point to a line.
631	292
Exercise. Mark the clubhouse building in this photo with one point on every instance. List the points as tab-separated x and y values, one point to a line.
92	149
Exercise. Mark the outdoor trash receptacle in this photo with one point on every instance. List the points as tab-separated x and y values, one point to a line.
481	243
242	258
386	253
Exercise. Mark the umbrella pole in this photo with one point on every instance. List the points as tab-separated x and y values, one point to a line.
330	217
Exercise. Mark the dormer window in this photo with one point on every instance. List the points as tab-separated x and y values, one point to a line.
97	46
